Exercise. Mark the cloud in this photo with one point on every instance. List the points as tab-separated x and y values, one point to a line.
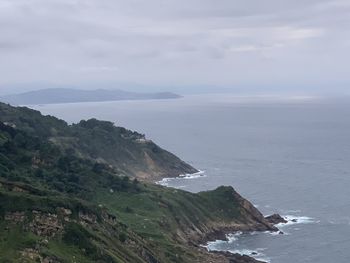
99	68
161	42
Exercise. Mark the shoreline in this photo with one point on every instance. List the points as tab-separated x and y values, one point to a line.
164	181
255	254
222	232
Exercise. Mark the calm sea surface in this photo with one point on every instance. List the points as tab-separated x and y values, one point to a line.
286	155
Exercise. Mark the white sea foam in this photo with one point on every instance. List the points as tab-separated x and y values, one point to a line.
255	253
293	220
166	181
191	176
231	238
277	233
274	233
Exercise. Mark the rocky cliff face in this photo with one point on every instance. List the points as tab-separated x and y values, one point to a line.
249	219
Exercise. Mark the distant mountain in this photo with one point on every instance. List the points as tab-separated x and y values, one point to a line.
64	95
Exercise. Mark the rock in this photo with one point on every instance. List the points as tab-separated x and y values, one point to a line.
65	211
294	220
31	254
275	219
87	218
44	242
15	217
45	224
236	258
232	258
280	233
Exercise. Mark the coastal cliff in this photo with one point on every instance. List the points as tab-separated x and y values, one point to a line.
83	193
128	152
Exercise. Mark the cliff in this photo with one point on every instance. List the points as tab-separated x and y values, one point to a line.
64	199
128	152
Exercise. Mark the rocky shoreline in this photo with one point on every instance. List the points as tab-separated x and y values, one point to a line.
223	235
237	258
148	223
254	221
220	231
226	256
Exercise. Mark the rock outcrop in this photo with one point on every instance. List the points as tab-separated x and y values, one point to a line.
276	219
250	219
227	257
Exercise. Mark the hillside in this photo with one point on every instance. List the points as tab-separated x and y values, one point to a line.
65	95
126	151
60	202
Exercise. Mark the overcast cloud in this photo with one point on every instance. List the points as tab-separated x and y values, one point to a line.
257	44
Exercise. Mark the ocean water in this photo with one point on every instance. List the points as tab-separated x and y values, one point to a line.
289	155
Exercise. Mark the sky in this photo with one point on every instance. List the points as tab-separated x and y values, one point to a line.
185	45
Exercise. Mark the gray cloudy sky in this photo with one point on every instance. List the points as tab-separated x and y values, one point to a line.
253	44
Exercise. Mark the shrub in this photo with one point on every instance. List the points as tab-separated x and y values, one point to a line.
122	237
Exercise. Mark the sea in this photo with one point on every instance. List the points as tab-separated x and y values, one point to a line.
286	154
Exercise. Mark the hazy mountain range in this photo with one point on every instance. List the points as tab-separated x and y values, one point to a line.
65	95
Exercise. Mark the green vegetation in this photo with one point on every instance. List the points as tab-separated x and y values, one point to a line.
66	195
125	150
